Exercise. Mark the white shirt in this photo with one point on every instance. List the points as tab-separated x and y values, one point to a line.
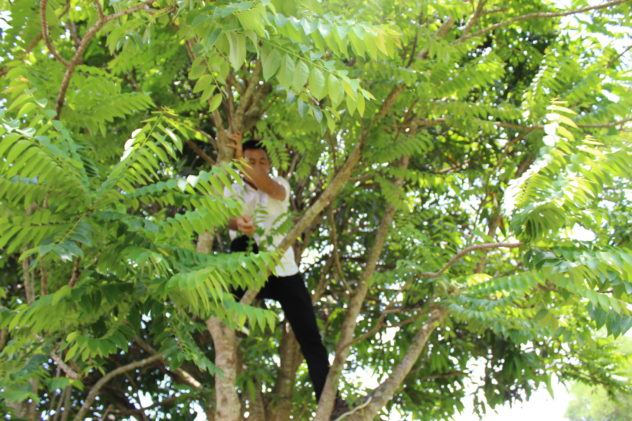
268	213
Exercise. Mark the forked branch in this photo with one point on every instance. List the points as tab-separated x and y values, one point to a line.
103	380
78	56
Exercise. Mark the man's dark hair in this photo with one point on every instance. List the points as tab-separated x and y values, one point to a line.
253	144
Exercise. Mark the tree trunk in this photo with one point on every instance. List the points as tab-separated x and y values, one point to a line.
291	357
227	404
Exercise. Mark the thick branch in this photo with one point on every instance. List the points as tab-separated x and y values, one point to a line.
291	358
386	390
103	380
474	18
199	152
540	15
244	100
355	305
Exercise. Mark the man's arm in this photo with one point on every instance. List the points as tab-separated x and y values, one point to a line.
260	179
265	183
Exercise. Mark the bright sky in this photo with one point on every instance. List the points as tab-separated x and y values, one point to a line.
541	407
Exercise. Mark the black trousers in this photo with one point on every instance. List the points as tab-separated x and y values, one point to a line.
291	293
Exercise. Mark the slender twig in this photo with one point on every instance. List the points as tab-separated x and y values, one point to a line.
163	402
94	391
465	251
65	367
75	273
184	375
540	15
614	60
381	325
60	404
605	125
45	35
29	287
78	56
97	4
441	32
443	375
334	243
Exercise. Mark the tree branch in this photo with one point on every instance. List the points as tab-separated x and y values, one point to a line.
103	380
97	4
474	18
228	406
78	56
605	125
45	35
65	367
381	325
441	32
184	375
328	395
614	60
386	390
75	272
539	15
465	251
244	100
199	152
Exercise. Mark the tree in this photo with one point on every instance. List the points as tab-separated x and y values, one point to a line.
441	157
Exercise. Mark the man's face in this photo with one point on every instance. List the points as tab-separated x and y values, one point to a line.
258	160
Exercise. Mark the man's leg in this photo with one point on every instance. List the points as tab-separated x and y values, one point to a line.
291	292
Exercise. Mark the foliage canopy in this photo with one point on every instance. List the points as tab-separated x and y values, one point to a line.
443	156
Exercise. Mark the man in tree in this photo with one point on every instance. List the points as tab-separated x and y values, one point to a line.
265	203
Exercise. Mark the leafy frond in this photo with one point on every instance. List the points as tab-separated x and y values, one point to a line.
566	178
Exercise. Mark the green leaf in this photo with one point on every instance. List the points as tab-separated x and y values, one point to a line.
286	72
203	83
335	90
317	84
360	105
237	45
217	99
270	61
301	74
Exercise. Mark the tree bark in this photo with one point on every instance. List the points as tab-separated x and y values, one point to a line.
291	358
227	405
